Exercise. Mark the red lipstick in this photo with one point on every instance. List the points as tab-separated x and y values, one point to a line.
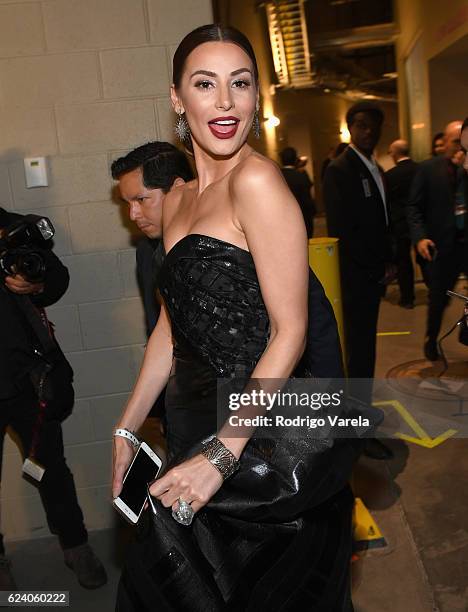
223	127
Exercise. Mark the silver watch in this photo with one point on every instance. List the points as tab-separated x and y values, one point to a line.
221	457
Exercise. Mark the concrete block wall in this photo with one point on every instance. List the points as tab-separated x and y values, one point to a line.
81	82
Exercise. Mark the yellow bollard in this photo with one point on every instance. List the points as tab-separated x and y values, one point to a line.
323	259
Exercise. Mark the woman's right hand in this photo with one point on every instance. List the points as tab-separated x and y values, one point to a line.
122	457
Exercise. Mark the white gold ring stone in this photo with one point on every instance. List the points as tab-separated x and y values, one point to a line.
184	514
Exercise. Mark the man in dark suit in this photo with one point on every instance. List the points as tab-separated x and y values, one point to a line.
145	176
439	227
399	181
300	185
357	214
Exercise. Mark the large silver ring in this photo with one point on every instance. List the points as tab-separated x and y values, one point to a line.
184	514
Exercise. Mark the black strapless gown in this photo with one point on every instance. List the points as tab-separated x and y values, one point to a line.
259	544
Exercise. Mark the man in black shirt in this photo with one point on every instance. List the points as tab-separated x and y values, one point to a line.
300	185
439	227
36	424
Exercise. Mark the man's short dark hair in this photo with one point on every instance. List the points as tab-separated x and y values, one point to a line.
364	107
160	162
288	156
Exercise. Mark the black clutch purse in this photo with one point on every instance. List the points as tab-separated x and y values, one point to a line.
265	509
282	477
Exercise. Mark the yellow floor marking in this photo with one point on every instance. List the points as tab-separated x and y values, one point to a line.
405	333
423	439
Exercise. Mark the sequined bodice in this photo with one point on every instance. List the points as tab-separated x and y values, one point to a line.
213	297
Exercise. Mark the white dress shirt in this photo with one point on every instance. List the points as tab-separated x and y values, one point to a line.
373	168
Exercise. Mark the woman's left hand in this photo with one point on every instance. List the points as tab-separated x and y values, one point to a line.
194	481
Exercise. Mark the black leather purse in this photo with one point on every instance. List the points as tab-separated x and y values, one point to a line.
283	495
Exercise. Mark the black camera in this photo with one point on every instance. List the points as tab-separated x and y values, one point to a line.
20	247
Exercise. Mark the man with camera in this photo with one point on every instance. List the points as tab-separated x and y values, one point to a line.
36	392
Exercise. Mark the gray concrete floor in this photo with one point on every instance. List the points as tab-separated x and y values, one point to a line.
38	566
419	500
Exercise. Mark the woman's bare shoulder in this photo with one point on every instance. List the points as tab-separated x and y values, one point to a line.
257	179
254	170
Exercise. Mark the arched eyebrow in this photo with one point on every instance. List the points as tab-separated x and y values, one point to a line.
213	74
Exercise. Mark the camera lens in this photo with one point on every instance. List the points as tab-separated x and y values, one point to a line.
31	265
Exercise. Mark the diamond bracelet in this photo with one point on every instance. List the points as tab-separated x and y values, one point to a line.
221	457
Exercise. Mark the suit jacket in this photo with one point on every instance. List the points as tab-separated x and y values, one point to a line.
17	338
148	263
356	215
149	258
431	204
399	180
300	184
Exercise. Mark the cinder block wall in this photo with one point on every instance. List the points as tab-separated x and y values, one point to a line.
82	81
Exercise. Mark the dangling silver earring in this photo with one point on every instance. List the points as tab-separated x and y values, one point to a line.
256	124
182	128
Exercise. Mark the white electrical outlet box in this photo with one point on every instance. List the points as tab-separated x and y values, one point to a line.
35	169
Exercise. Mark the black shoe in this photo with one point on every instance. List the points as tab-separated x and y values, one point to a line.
375	449
87	567
431	352
7	582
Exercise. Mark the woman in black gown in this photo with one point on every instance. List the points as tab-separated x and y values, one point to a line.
238	301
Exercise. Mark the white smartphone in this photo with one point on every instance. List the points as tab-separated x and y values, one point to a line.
143	469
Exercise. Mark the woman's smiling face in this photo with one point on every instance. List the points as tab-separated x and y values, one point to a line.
218	94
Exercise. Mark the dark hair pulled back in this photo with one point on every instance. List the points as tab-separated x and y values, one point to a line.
211	32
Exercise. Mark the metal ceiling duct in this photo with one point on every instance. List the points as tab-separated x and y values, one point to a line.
319	66
289	43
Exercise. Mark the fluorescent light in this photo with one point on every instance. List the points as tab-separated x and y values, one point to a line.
272	122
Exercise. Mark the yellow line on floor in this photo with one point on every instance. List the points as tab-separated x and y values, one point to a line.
405	333
422	439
